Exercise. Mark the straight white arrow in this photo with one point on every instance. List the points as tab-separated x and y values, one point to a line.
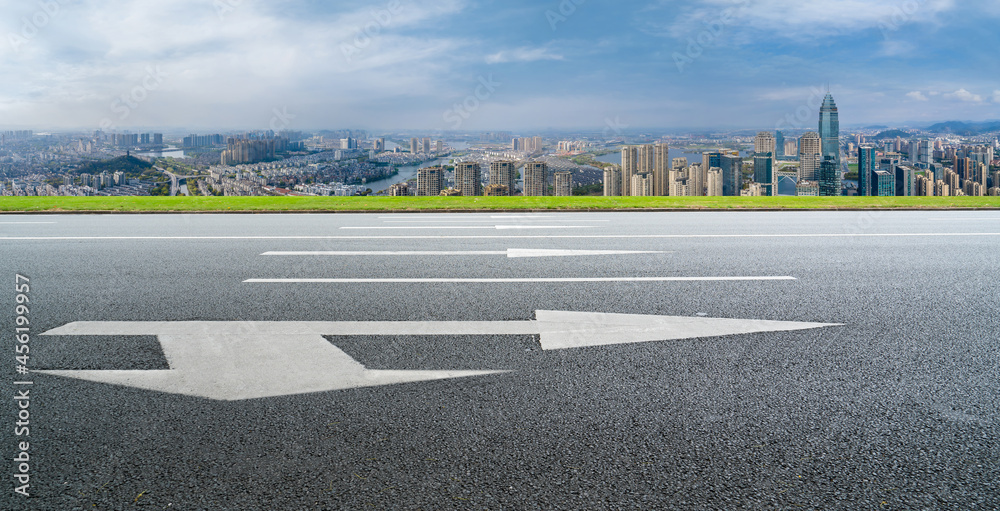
248	360
513	253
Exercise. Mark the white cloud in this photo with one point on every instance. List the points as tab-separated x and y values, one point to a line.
996	96
231	67
810	19
917	96
964	96
522	55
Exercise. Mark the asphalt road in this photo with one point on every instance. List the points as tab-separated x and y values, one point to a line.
896	409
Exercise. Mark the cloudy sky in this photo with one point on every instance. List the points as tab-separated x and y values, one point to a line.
494	64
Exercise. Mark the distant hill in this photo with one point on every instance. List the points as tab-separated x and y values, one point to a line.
963	128
130	165
891	134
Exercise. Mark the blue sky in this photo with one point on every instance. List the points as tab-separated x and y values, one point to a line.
494	65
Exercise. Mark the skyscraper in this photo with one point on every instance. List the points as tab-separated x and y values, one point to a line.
469	179
612	182
504	173
536	178
829	178
563	184
829	130
661	168
866	166
764	143
732	175
414	146
779	145
763	173
810	148
630	167
430	181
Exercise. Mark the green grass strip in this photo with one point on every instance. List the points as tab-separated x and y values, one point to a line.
387	204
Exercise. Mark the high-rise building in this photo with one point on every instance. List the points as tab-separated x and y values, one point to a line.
829	130
810	149
829	178
764	143
866	165
563	184
414	146
468	178
427	145
697	175
713	182
642	185
612	182
379	145
732	175
883	184
430	181
536	179
630	167
779	145
963	167
763	173
791	148
504	173
906	181
661	168
439	146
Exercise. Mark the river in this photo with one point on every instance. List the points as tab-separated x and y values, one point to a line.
410	171
169	152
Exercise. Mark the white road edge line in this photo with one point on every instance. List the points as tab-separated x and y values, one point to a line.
512	253
495	237
467	227
513	280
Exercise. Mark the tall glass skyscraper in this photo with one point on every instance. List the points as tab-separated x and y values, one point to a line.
829	130
866	167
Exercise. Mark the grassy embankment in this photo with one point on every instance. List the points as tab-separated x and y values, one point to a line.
316	204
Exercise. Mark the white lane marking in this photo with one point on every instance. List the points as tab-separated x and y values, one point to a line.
248	360
485	221
512	280
444	227
497	237
959	219
512	253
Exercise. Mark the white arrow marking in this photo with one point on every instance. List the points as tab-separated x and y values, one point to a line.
247	360
512	253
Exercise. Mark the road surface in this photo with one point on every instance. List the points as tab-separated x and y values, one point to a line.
505	361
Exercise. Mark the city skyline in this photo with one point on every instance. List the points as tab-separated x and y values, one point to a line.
523	66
